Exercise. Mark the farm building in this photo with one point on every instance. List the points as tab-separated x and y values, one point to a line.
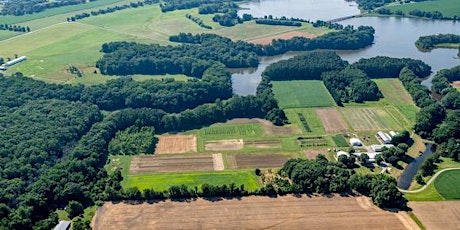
15	61
340	153
378	148
393	133
355	142
2	68
384	138
63	225
372	156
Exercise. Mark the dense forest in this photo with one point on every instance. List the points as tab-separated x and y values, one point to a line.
431	41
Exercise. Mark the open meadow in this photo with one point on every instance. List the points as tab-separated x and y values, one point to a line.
448	8
301	94
285	212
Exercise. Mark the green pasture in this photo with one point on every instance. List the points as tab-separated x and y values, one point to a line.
446	7
448	185
371	118
314	123
5	34
393	91
340	140
231	131
161	182
301	94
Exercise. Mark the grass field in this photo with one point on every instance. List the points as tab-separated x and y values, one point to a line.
393	91
448	184
314	123
301	94
446	7
162	182
370	118
340	140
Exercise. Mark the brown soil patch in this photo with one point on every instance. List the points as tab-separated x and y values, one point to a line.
264	144
224	145
260	161
286	212
442	215
176	144
456	84
312	153
268	40
331	119
144	164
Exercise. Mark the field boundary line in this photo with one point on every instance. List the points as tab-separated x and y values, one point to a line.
429	182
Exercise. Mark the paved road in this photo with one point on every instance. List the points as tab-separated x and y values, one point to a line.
429	182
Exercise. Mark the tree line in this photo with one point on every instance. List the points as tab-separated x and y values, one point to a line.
15	28
278	22
21	7
198	21
431	41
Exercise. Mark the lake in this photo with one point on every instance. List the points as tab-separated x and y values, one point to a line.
394	37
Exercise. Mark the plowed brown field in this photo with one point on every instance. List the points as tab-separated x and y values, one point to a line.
440	215
144	164
287	212
331	119
176	144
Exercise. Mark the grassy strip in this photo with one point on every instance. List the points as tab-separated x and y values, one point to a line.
161	182
301	94
428	194
417	221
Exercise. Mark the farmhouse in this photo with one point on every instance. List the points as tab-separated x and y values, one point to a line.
384	138
15	61
378	148
355	142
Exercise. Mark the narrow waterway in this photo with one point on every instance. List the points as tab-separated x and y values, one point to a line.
408	174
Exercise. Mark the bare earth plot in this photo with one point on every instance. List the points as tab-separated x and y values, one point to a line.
440	215
176	144
312	153
224	145
263	144
364	119
146	164
285	212
331	119
288	35
456	84
244	161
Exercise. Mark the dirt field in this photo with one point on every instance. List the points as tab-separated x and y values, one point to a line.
144	164
285	212
288	35
312	153
456	84
176	144
224	145
331	119
269	128
264	144
218	162
244	161
441	215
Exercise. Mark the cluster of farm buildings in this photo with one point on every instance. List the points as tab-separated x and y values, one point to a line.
12	62
374	150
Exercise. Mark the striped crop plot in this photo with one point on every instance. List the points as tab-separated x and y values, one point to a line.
332	120
311	141
226	131
263	144
172	163
371	118
251	161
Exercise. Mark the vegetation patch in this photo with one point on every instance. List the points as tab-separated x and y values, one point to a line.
301	94
362	119
161	182
448	184
332	120
313	121
449	8
340	140
224	131
394	92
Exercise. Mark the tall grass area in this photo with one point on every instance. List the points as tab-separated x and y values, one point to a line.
161	182
301	94
448	8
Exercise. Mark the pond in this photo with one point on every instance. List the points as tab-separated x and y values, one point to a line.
409	172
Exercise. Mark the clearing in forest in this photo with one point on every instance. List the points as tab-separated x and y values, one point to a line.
301	94
439	215
332	120
370	118
286	212
176	144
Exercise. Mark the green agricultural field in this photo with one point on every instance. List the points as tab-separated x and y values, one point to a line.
162	182
314	123
228	131
5	34
371	118
301	94
448	184
448	8
340	140
393	91
409	111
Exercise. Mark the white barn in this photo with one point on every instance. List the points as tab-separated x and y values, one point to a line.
355	142
384	138
15	61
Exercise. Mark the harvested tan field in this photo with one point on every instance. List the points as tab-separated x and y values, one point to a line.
144	164
176	144
439	215
331	119
260	161
264	144
312	153
224	145
456	84
218	162
286	212
268	40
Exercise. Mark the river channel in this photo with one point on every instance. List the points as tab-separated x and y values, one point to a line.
394	37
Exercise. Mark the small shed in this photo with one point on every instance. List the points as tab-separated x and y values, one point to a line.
355	142
63	225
